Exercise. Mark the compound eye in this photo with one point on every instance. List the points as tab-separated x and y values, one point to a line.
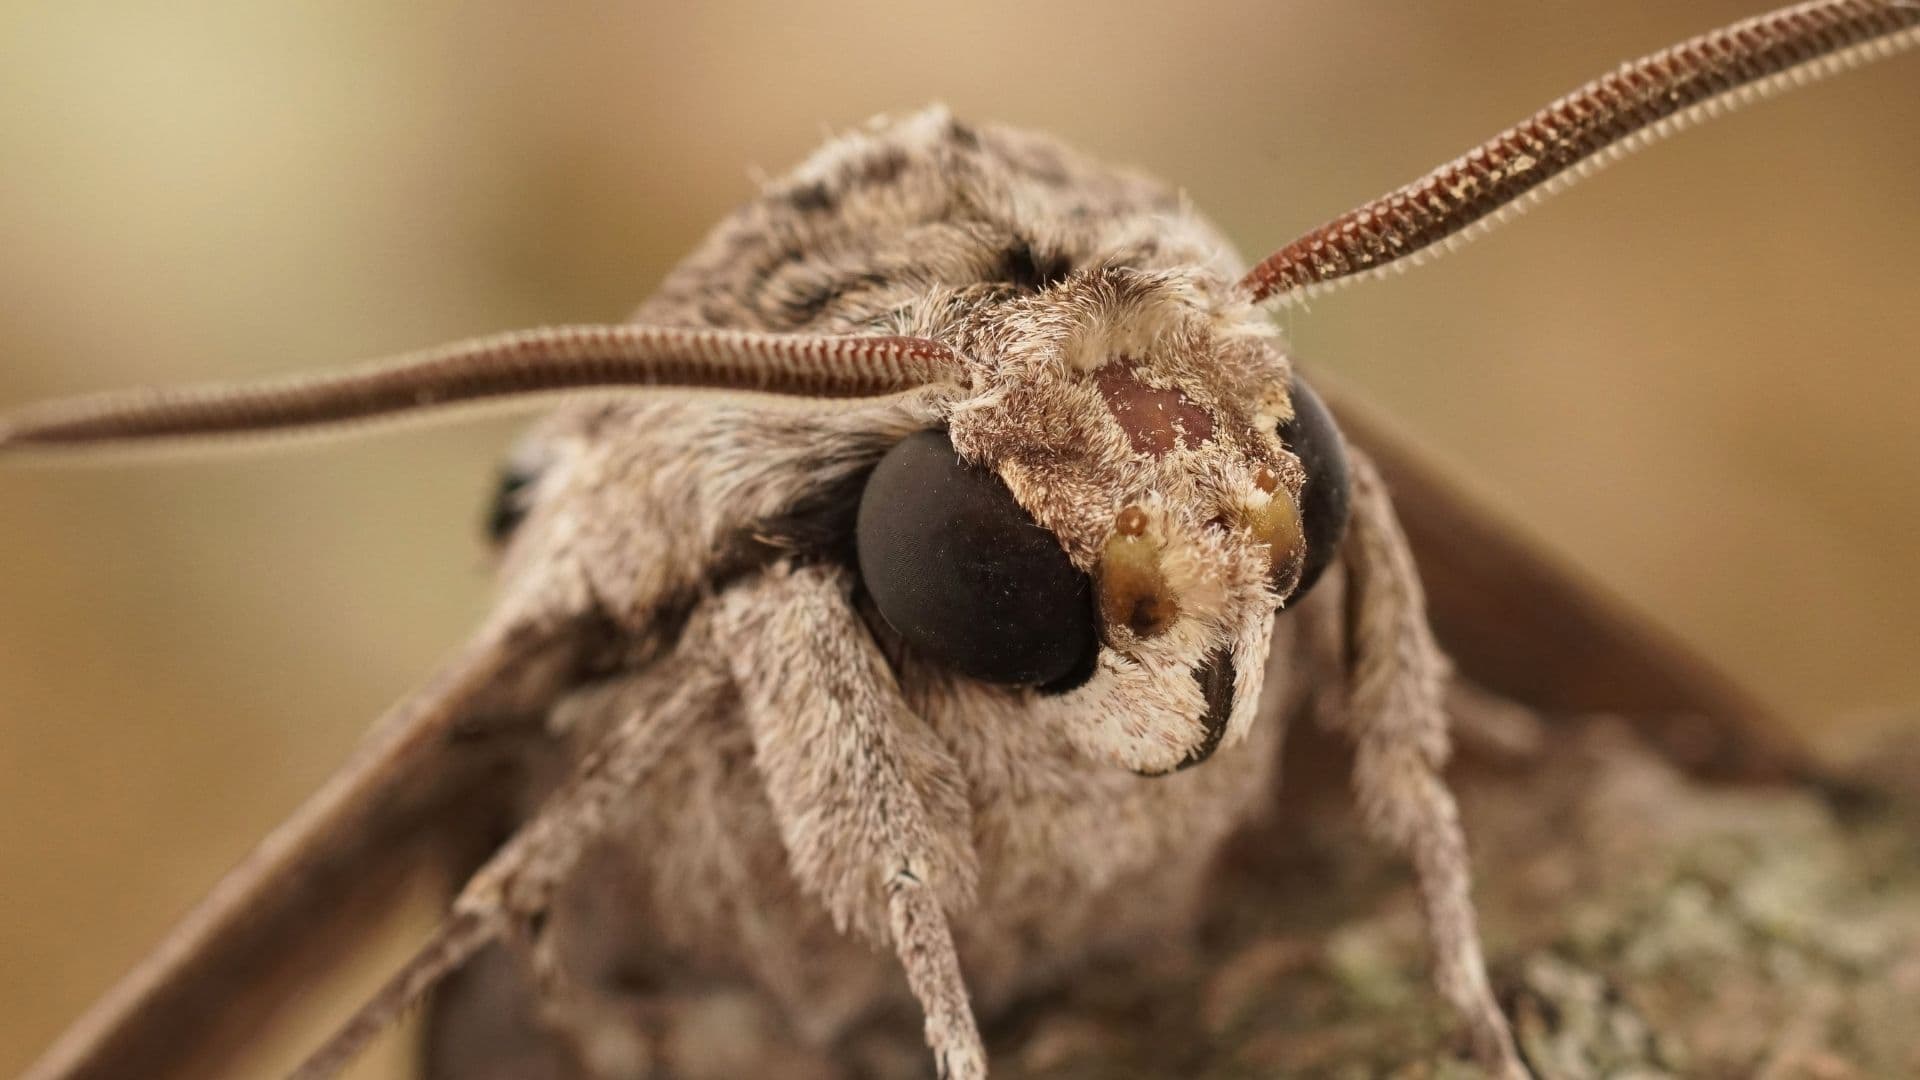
1313	437
965	576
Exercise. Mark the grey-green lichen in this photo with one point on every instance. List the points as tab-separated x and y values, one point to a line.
1640	924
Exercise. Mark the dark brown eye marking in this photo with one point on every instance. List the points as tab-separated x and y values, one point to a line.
1032	270
1156	421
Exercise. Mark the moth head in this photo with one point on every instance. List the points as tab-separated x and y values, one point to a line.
1134	484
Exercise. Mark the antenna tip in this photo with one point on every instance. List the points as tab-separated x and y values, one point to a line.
22	431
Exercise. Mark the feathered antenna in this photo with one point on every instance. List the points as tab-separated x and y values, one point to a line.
1596	125
513	367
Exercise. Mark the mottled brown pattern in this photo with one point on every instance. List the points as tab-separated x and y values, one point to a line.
1156	420
1094	813
759	777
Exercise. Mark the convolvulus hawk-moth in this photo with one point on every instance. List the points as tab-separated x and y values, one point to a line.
1028	338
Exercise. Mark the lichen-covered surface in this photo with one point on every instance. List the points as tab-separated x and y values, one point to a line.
1641	924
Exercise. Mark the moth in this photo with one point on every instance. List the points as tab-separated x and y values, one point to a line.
907	605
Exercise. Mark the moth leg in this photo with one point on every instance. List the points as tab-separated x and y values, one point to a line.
1396	718
870	805
924	943
511	893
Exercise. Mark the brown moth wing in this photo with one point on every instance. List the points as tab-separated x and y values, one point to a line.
1524	624
299	902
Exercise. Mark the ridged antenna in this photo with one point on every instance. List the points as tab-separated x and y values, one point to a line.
1579	134
499	368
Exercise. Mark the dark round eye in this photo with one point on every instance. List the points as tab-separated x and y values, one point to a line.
961	572
1315	440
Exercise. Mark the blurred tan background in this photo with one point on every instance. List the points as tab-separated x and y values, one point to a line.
1694	375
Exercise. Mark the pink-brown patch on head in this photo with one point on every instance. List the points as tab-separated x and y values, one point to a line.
1157	421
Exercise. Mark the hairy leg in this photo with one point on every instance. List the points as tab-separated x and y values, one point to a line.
871	806
507	899
1396	717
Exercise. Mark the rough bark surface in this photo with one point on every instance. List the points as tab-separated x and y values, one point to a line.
1641	923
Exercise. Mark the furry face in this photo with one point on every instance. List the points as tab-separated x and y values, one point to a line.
1128	400
1076	329
1139	424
